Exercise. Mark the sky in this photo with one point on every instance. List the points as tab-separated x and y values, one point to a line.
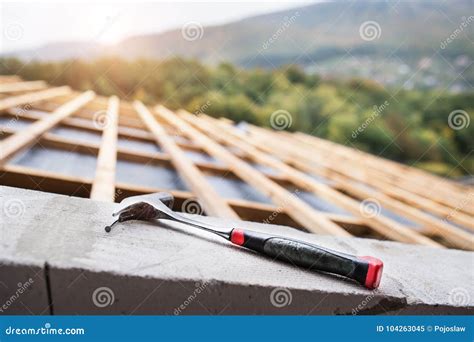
31	24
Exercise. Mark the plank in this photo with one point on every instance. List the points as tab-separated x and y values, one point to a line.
458	214
30	178
103	187
87	124
211	201
300	159
416	182
28	98
380	224
22	86
300	211
23	138
70	144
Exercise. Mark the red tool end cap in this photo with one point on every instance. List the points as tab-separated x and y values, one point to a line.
374	273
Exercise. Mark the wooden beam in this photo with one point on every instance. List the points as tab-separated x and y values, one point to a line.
26	137
70	144
297	209
10	79
416	182
211	201
456	214
84	124
33	97
395	169
29	178
22	86
380	224
103	187
294	155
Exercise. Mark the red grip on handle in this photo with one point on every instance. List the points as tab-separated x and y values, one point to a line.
374	273
237	237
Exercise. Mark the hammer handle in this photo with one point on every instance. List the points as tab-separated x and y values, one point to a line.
365	270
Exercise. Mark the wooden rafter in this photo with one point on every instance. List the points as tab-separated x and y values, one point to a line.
388	173
78	186
103	188
211	201
28	136
302	159
382	225
294	207
458	214
71	144
22	86
432	203
29	98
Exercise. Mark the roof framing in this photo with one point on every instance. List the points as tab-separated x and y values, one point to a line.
295	157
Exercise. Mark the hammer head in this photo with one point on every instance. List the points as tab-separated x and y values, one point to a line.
144	207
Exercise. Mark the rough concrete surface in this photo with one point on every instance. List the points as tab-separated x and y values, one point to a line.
150	268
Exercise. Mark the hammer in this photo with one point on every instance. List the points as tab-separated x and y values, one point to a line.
365	270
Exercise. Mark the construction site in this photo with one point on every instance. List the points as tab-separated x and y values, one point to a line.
67	159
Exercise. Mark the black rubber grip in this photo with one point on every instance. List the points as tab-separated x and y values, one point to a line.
305	255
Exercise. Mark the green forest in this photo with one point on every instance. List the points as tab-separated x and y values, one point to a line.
410	126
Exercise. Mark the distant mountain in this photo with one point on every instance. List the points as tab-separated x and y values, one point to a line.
305	35
318	31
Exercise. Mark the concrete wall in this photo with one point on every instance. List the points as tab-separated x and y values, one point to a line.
144	268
